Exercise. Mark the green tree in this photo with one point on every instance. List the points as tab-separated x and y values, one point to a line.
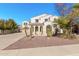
11	25
49	30
2	25
65	21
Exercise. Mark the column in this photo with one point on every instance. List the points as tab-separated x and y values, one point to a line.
39	33
44	31
38	28
34	30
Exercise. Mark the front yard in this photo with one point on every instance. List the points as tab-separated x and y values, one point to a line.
40	42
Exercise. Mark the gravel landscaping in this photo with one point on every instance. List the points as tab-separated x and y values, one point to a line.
39	42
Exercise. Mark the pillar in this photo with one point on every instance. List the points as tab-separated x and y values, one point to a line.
38	28
44	31
34	30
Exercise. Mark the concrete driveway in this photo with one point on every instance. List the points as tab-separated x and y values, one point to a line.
6	40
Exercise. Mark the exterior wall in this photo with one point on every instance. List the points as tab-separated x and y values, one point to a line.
38	17
42	18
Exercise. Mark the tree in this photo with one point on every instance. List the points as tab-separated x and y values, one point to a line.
74	13
25	27
11	25
2	25
49	30
75	16
63	8
76	8
63	22
65	19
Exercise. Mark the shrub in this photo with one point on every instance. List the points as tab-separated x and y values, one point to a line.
49	31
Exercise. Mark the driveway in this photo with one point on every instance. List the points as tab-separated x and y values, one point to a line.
6	40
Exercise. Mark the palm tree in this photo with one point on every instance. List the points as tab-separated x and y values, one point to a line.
25	27
31	31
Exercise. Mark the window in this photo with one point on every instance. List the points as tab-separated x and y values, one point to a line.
36	28
55	19
46	20
25	24
36	20
40	28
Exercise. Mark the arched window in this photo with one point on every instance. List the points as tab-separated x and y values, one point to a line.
25	24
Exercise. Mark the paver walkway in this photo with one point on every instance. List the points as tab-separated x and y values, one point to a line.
6	40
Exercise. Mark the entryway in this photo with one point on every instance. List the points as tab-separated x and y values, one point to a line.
38	30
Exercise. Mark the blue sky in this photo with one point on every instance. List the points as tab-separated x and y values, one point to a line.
24	11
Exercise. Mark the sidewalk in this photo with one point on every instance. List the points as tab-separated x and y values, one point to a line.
6	40
65	50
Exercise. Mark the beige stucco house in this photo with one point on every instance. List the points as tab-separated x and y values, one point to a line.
37	25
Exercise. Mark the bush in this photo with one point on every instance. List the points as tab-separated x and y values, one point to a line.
49	31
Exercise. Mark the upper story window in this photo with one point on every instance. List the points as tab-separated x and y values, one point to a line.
25	24
55	19
37	20
46	20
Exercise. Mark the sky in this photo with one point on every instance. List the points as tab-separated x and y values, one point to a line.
24	11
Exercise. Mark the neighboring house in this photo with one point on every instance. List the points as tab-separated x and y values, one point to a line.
37	25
